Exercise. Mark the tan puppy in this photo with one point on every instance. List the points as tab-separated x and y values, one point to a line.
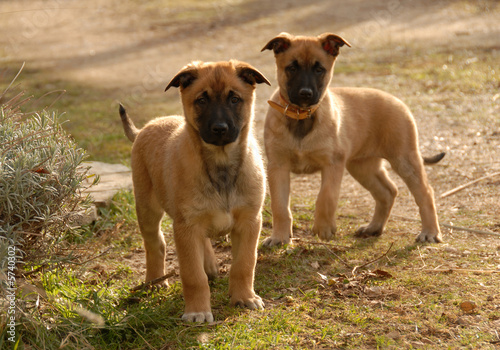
310	127
205	171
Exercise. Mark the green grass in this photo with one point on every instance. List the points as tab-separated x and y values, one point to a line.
435	71
302	309
90	113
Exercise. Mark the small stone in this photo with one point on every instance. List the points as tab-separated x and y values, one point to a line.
85	217
393	335
315	265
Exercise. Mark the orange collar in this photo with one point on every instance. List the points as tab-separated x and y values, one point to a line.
292	111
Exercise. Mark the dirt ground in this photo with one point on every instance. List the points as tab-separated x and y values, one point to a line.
137	47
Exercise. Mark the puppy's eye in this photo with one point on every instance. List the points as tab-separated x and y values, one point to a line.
319	70
201	101
235	99
291	69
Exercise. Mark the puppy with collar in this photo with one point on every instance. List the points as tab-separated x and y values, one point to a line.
205	171
313	128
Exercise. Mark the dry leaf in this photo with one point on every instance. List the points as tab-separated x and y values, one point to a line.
468	306
315	265
374	291
382	273
203	338
40	171
323	277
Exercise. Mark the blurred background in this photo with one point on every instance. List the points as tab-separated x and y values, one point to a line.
103	51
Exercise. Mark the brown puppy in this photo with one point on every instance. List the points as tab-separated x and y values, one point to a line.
205	171
310	127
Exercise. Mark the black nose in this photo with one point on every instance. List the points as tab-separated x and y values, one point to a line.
305	93
220	128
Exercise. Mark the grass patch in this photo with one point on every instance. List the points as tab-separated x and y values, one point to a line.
90	305
90	113
469	71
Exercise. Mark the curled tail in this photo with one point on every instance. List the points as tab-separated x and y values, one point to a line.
128	125
434	159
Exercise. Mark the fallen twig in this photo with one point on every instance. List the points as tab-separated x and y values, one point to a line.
468	184
337	246
92	258
153	282
461	270
41	267
353	272
338	257
471	230
458	228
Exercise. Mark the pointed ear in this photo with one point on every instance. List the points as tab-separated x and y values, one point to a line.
279	44
249	74
184	78
332	43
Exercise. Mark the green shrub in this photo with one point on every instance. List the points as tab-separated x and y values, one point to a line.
40	181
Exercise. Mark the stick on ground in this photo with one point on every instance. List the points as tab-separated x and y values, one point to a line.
153	282
371	261
468	184
458	228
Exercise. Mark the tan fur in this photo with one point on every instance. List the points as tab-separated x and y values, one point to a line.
354	128
172	167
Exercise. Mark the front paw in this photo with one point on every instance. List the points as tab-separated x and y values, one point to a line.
325	232
431	237
199	317
273	241
253	303
367	231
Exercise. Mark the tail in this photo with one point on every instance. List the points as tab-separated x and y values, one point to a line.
433	159
130	130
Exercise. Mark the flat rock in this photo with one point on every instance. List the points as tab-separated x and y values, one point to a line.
113	178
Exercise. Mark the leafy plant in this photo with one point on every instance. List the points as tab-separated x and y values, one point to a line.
41	183
40	179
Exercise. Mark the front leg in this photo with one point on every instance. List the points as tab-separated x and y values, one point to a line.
326	203
190	243
279	188
244	239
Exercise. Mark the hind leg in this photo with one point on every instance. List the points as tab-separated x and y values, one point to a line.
210	261
149	215
326	203
411	169
371	175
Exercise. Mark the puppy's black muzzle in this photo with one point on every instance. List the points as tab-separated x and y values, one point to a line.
305	84
219	129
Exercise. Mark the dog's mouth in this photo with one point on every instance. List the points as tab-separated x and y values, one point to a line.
219	138
304	99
